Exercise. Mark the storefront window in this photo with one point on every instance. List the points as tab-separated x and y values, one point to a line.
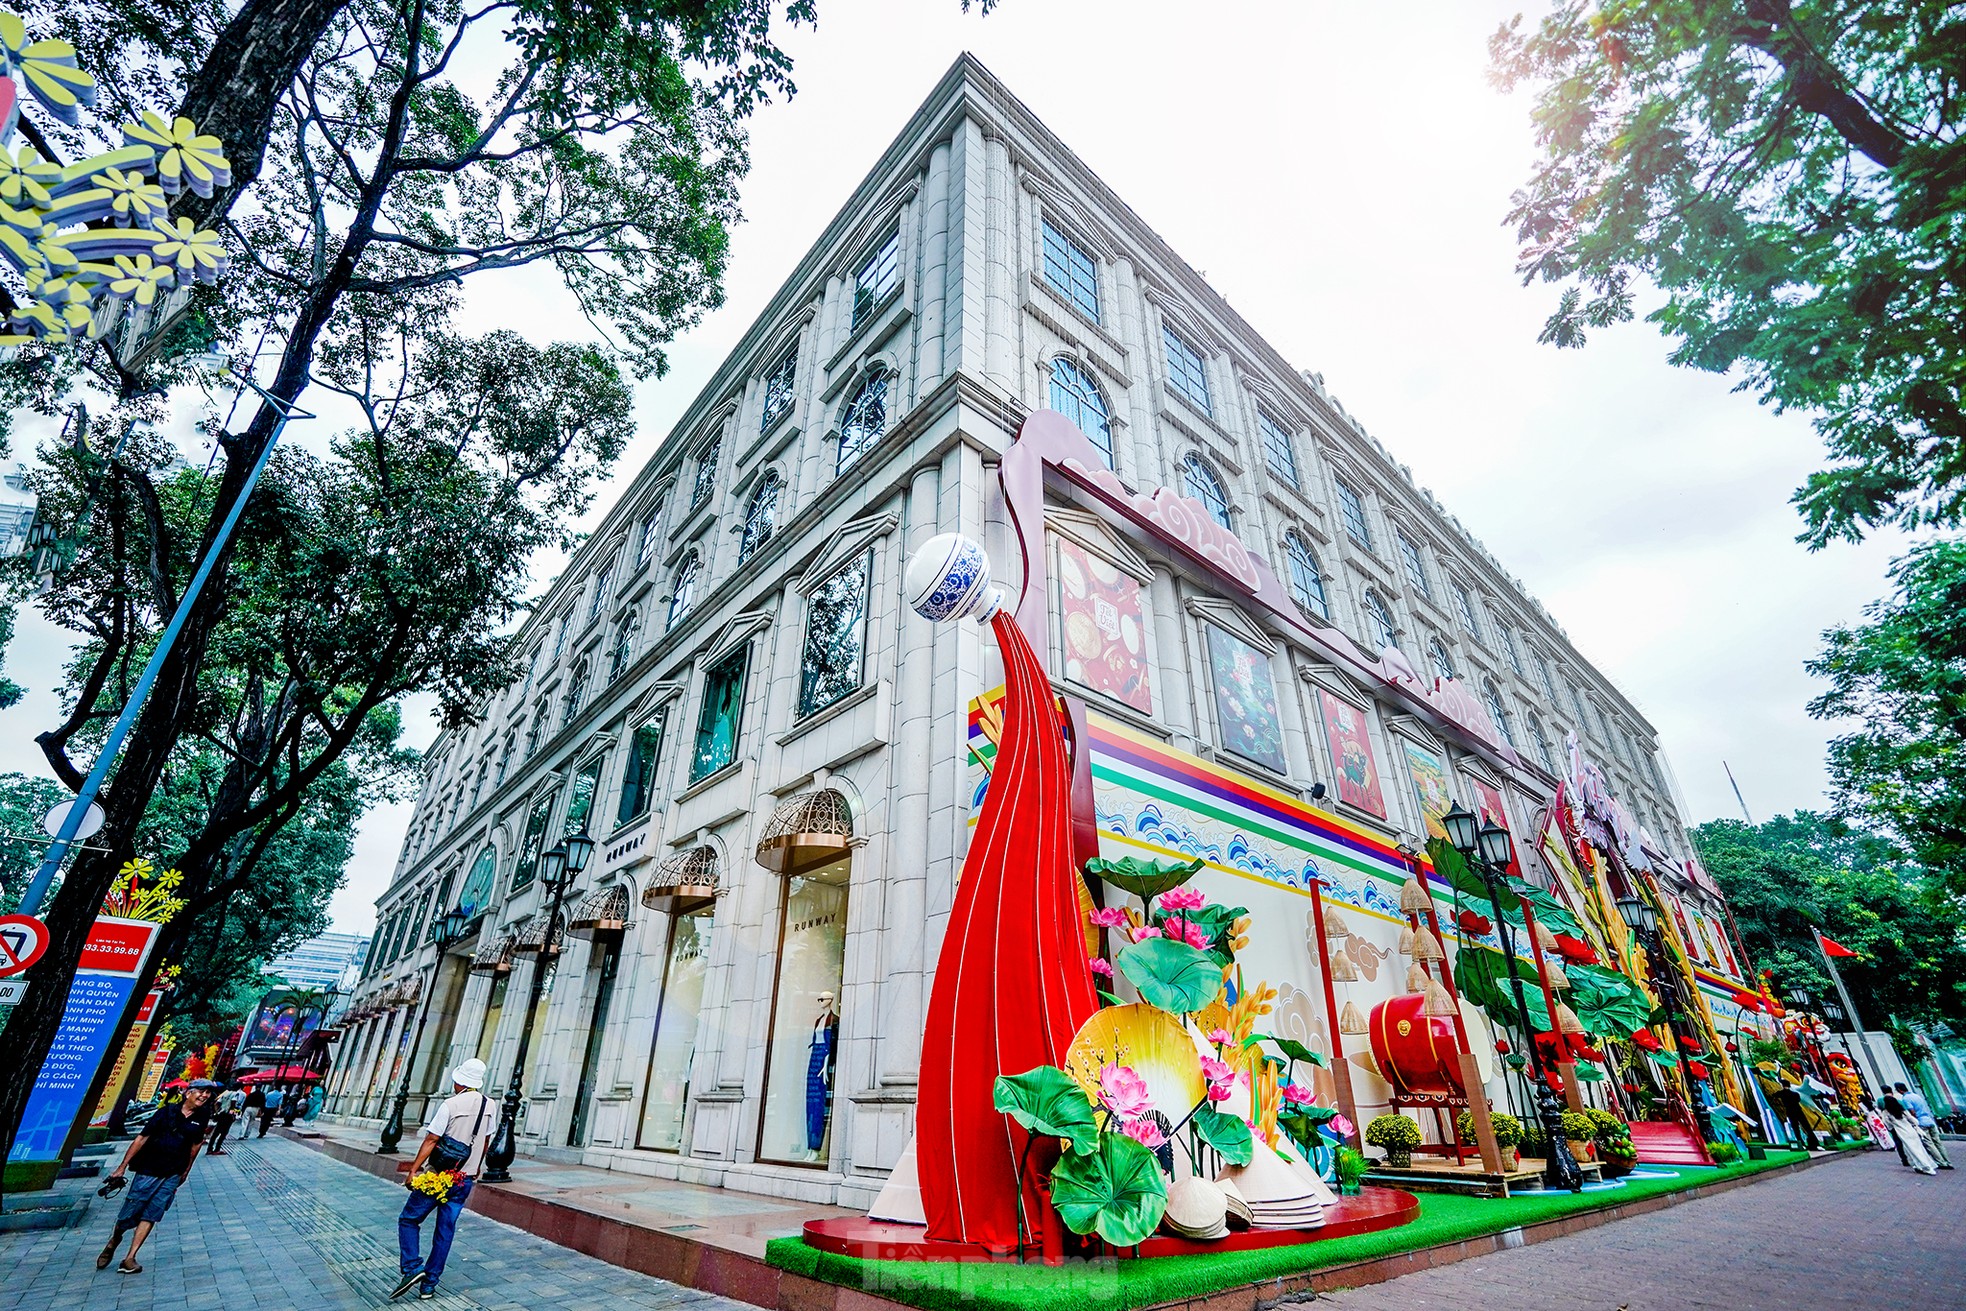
717	722
580	800
665	1097
638	779
805	1031
535	1050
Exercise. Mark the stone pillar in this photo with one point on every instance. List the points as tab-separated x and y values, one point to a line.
933	277
1174	690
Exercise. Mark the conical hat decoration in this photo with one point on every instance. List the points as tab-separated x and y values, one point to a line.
1150	1042
1319	1188
1335	924
1567	1021
1413	896
1405	945
1196	1208
1365	1060
1343	968
1278	1196
1236	1211
1438	1002
1352	1019
1416	978
1545	939
1426	946
1559	979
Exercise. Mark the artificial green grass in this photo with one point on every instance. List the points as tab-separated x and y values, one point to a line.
1115	1285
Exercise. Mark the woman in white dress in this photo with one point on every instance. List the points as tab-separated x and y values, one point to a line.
1904	1126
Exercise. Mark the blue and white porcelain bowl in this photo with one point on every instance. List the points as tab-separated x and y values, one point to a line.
949	578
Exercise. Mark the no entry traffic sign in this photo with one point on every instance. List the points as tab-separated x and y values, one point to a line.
22	940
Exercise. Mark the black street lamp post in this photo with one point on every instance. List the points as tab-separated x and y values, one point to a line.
1490	851
557	868
446	933
1643	920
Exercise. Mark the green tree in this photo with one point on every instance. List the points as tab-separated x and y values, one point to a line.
1792	176
1804	871
1901	675
24	800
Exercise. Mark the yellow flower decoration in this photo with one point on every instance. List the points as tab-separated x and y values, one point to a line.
62	310
183	155
139	278
134	201
137	867
199	253
25	178
47	69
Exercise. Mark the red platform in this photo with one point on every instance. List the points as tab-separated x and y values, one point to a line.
885	1240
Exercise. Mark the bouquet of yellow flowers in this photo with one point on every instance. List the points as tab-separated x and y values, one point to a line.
435	1183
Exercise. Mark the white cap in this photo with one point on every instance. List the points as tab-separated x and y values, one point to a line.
471	1074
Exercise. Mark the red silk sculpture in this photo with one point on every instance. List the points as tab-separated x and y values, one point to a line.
1012	985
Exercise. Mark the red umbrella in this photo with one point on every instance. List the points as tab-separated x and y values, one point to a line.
283	1074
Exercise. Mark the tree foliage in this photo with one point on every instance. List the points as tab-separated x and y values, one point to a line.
1902	677
1803	871
1792	176
24	799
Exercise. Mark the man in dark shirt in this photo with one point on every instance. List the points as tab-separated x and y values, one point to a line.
160	1160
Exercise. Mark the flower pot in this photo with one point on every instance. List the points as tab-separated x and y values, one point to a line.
1511	1158
1399	1158
1583	1151
1610	1169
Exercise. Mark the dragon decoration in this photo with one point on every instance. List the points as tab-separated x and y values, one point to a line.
89	239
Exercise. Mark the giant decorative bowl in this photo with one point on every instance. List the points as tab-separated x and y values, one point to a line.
949	578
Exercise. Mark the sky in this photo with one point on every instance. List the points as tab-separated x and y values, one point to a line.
1340	173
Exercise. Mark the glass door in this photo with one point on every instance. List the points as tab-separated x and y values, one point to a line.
590	1060
797	1123
665	1095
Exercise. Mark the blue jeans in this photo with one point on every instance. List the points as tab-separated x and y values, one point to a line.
409	1231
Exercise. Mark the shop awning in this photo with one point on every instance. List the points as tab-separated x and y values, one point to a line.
529	940
811	829
494	954
686	875
282	1074
601	911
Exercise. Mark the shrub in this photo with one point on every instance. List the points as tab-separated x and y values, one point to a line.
1606	1125
1508	1129
1723	1153
1577	1127
1393	1132
1352	1165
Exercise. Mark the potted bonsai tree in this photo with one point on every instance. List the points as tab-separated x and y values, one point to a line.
1398	1135
1508	1135
1581	1134
1614	1143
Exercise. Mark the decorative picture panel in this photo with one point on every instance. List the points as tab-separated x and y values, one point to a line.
1245	699
1351	754
1102	618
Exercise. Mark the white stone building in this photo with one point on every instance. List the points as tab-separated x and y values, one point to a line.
731	644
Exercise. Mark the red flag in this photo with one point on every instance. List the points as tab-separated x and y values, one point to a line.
1831	947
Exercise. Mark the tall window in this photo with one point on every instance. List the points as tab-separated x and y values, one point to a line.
1204	486
778	389
1583	712
576	692
505	758
1544	675
1443	663
1416	566
1278	450
706	472
1465	607
1186	372
645	542
836	638
760	516
525	684
1071	272
683	595
560	631
864	419
623	649
1306	582
532	843
603	584
1352	510
1513	651
877	278
638	777
1379	620
537	733
718	720
478	780
1076	396
1497	711
1539	738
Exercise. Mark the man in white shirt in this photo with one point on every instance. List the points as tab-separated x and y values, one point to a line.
1928	1125
467	1116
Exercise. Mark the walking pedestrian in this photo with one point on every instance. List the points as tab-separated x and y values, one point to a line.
1928	1126
269	1110
160	1159
291	1104
252	1110
454	1140
224	1111
1904	1127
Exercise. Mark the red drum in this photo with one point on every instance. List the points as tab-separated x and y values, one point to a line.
1418	1054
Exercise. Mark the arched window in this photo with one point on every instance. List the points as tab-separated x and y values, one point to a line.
1076	396
1539	737
1492	697
1306	580
537	733
1379	620
1443	663
623	649
683	596
864	419
576	692
760	516
1204	486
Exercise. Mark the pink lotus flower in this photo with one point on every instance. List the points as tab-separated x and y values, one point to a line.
1298	1095
1144	1131
1144	932
1220	1037
1215	1071
1340	1126
1221	1092
1182	899
1101	966
1109	918
1123	1092
1186	931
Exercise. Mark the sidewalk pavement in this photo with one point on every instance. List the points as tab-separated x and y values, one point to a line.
275	1226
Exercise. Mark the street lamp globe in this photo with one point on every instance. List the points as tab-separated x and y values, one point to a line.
1461	828
580	850
1497	848
450	928
1632	911
553	866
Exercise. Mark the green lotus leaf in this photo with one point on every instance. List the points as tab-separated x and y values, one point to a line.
1459	875
1171	975
1115	1190
1227	1134
1606	1001
1108	999
1046	1100
1588	1073
1145	879
1290	1047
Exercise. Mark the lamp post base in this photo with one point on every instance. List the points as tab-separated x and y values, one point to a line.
505	1141
392	1131
1560	1169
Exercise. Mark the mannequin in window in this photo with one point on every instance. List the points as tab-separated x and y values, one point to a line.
819	1071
